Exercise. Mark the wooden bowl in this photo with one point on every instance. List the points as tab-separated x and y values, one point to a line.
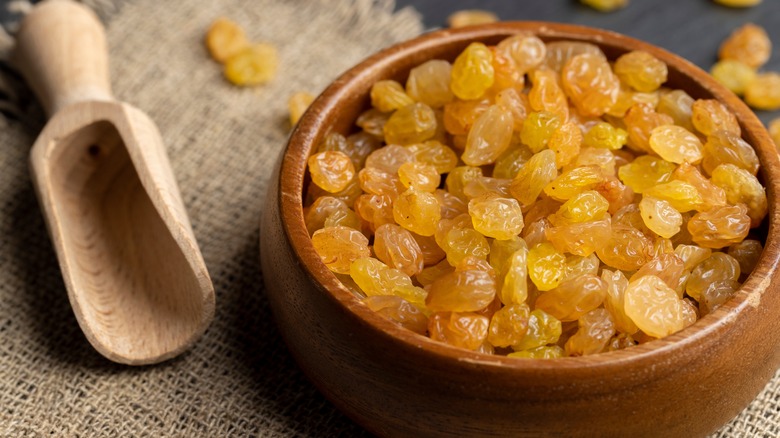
397	383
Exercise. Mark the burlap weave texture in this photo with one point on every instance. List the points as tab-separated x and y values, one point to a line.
238	380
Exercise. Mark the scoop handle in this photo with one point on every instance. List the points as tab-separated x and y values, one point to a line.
61	51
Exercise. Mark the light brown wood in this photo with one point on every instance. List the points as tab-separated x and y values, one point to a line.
134	274
397	383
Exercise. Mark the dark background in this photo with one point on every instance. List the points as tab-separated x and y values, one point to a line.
692	29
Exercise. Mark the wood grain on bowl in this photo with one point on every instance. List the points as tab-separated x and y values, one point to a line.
397	383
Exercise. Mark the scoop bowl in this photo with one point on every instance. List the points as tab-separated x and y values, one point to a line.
396	383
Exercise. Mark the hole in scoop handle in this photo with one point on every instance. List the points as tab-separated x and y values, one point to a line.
61	51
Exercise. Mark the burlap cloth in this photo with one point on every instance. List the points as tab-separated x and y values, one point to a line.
239	379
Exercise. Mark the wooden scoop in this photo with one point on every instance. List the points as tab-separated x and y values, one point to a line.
134	274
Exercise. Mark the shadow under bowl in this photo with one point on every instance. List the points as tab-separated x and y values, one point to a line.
397	383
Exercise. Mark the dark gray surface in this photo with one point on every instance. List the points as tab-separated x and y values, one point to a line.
692	29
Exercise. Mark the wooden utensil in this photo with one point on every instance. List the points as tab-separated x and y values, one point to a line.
397	383
134	274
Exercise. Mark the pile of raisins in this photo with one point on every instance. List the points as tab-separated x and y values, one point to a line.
537	200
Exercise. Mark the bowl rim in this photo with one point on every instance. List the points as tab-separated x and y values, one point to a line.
311	128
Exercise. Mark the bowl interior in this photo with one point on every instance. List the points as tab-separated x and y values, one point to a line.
336	109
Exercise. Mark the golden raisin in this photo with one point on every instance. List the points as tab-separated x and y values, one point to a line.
513	285
645	172
545	266
614	301
460	115
505	75
749	44
225	39
524	50
398	249
627	249
628	97
462	291
590	84
572	299
429	83
668	267
763	92
566	142
746	253
466	330
546	352
742	187
470	17
378	182
676	144
641	70
431	252
398	310
605	5
472	72
508	325
681	195
604	135
560	52
413	123
547	95
573	182
735	75
419	175
654	307
297	105
373	122
640	121
738	3
511	161
580	238
389	96
709	116
720	226
339	247
489	137
601	157
678	105
595	329
660	216
496	217
461	243
458	179
429	274
487	185
538	128
583	207
718	267
712	195
256	64
532	178
417	211
327	211
331	170
727	147
543	329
